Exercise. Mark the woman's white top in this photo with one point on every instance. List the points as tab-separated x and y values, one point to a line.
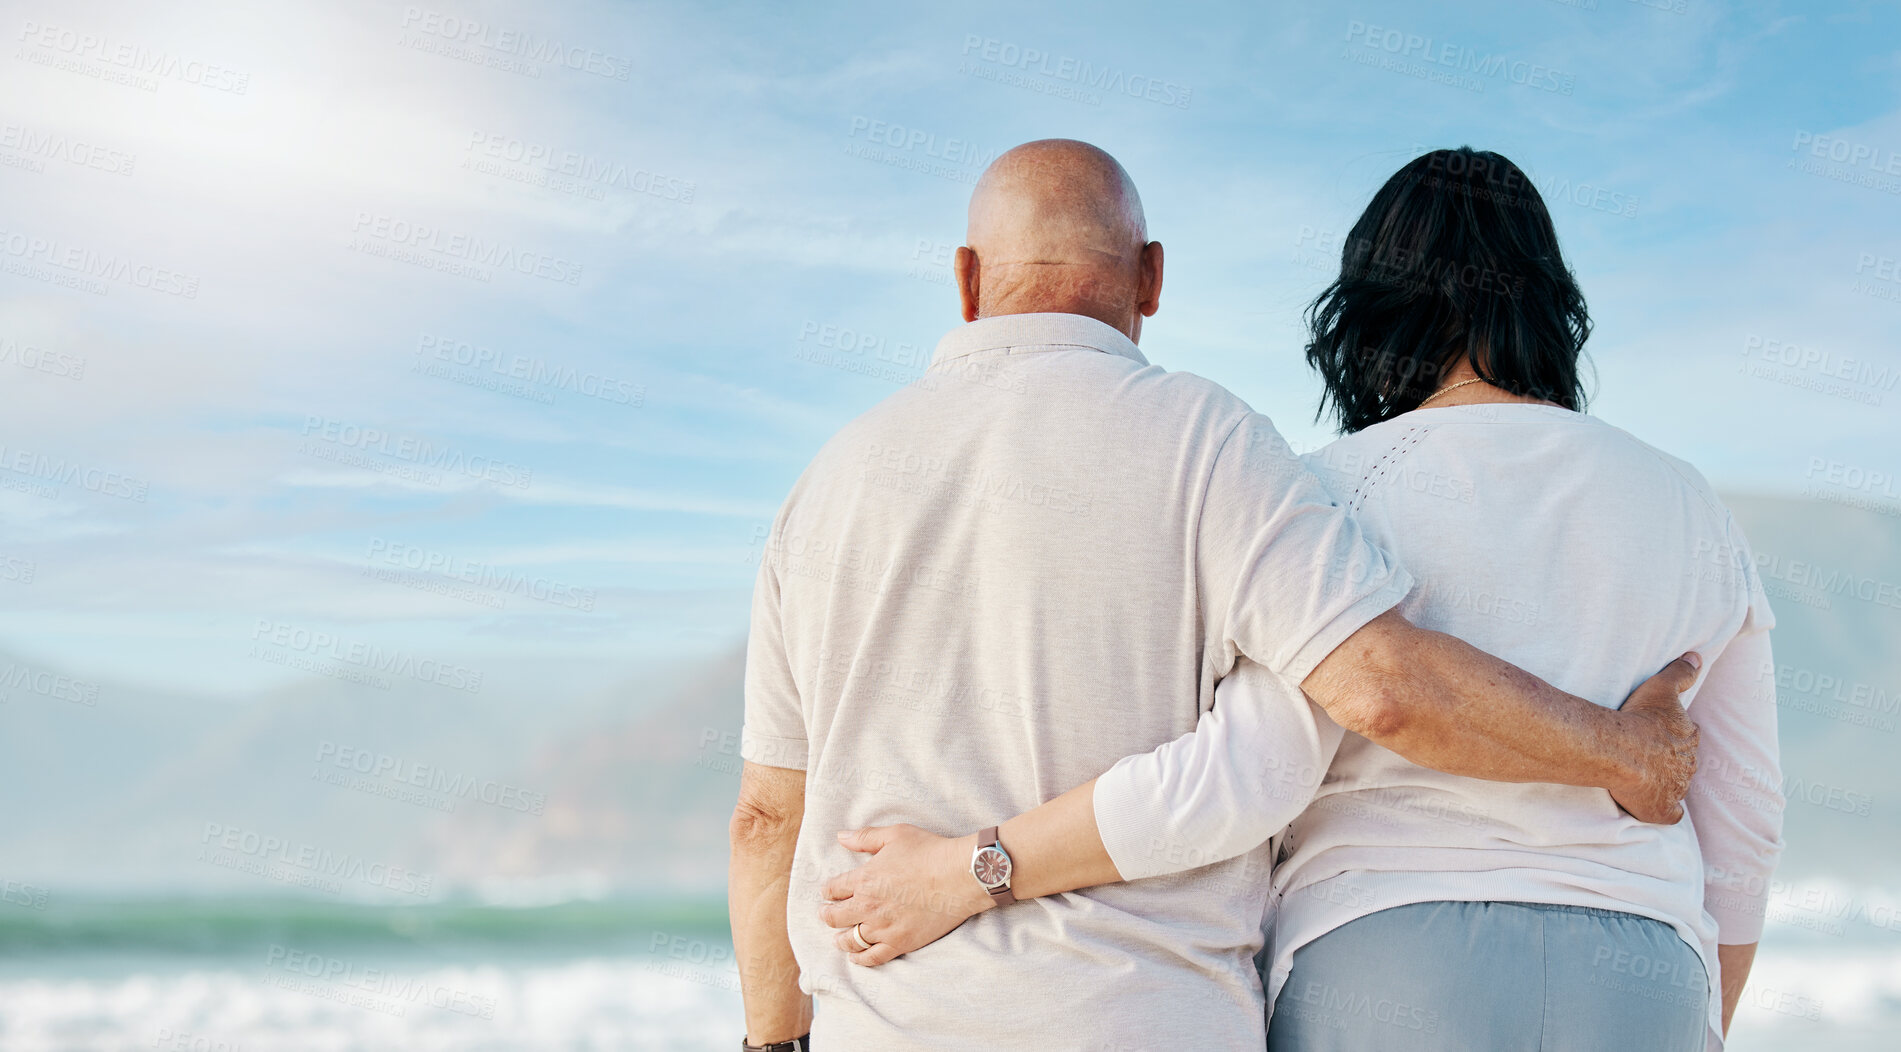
1573	550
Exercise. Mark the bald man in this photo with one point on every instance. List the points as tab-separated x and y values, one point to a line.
1044	556
1058	228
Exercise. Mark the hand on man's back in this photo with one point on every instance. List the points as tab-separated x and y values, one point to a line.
1668	762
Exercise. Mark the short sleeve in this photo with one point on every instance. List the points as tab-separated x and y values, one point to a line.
774	734
1285	573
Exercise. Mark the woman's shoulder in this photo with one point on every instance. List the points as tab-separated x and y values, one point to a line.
1351	462
1618	442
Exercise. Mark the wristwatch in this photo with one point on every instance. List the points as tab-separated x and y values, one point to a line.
990	864
797	1044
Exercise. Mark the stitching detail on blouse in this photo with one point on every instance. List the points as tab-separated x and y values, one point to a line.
1387	462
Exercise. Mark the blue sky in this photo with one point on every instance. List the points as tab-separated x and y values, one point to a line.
675	238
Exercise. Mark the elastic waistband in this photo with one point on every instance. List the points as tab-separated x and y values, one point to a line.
1552	907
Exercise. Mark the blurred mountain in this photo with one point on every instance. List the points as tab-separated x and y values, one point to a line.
1834	579
643	801
117	795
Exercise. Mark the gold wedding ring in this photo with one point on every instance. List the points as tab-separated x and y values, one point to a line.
859	938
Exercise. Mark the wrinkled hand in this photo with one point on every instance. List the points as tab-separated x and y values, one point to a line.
1665	753
914	889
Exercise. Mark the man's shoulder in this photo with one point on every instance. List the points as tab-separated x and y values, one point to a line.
1184	409
892	422
896	411
848	442
1167	386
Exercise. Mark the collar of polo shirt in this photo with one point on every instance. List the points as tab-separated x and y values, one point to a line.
1024	333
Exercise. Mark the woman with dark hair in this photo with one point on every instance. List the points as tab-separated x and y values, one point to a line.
1413	909
1450	348
1454	266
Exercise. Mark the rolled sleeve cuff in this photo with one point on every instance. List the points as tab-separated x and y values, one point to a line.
1347	622
1739	917
768	751
1127	816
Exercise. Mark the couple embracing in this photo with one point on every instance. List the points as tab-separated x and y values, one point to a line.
1081	713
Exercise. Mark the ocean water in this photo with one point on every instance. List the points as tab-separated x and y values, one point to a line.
1839	998
1828	971
263	975
240	975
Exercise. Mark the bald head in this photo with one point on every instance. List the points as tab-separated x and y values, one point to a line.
1056	225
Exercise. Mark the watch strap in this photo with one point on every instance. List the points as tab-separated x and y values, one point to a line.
797	1044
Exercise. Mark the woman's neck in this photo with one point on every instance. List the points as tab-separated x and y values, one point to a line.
1473	391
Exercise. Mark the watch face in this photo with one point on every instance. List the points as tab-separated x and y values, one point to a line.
992	867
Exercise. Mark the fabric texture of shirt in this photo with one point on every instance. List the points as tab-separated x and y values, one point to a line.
1582	555
1035	560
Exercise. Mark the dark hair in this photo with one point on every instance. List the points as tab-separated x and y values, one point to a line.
1454	259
